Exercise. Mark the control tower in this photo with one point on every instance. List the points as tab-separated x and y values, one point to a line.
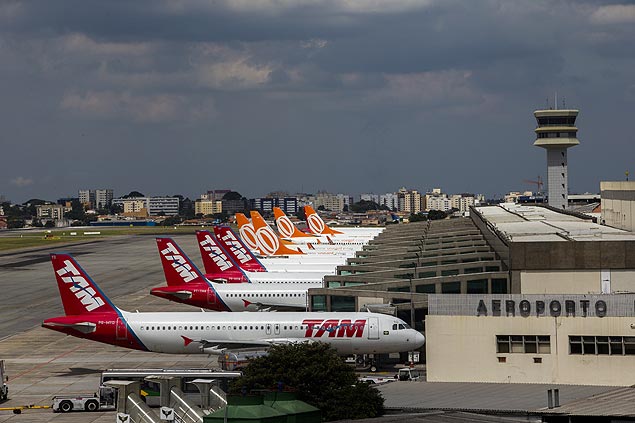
556	132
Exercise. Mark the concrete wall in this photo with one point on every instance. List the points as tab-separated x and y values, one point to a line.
560	282
463	349
618	204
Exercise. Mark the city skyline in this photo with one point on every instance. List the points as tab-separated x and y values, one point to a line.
304	96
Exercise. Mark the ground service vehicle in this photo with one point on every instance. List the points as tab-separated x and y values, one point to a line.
105	399
237	360
408	373
4	389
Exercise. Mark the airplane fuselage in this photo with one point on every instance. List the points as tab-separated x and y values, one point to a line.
199	332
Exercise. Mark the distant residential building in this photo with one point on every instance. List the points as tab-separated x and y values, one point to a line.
390	200
51	211
215	194
155	206
462	202
409	201
370	197
207	207
334	202
513	196
438	202
96	198
67	201
289	205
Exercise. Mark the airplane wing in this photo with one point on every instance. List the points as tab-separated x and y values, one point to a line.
263	306
220	346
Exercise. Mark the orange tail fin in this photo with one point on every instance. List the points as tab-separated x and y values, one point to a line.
316	224
286	228
268	241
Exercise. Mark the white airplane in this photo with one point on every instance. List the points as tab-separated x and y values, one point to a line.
89	314
260	237
290	232
317	226
187	285
246	260
220	265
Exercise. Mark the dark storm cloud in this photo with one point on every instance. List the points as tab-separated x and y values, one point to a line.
354	95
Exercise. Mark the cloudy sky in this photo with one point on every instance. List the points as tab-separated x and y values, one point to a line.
181	96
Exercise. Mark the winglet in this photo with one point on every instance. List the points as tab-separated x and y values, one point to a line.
316	224
246	303
186	341
79	293
286	228
268	241
177	266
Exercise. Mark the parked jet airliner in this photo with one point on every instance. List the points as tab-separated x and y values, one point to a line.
260	237
221	266
317	226
289	231
246	260
91	315
186	284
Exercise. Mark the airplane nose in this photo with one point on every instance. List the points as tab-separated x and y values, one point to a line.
419	340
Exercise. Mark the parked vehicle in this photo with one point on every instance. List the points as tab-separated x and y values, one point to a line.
105	399
408	373
4	389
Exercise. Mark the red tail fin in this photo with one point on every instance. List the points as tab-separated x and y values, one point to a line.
268	242
177	266
316	224
80	294
215	259
286	228
237	250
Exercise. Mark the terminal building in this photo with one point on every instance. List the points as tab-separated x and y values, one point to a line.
514	293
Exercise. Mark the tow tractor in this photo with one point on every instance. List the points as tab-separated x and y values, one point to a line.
105	399
4	389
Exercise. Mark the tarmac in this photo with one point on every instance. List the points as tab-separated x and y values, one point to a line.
41	363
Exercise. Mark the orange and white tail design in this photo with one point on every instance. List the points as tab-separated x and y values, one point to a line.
247	233
268	241
286	228
316	224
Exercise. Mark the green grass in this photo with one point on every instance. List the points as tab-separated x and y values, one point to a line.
40	238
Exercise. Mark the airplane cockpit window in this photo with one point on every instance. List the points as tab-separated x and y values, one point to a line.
394	327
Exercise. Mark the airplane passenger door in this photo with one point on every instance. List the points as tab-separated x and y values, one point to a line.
211	297
373	328
276	329
268	329
121	330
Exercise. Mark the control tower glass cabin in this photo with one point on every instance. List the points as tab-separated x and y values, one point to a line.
556	132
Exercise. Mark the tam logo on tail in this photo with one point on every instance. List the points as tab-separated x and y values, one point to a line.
216	253
179	263
236	247
80	286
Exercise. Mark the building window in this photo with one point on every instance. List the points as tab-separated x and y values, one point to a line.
451	288
342	303
426	288
450	272
499	286
477	287
318	303
601	345
524	344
